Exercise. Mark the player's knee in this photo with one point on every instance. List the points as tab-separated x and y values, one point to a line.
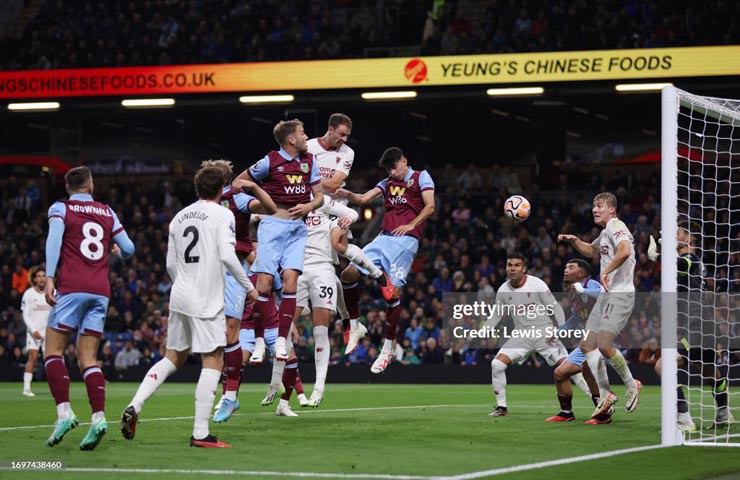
497	366
561	373
350	274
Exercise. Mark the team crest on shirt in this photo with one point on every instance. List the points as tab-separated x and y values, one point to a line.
339	159
410	182
304	167
225	204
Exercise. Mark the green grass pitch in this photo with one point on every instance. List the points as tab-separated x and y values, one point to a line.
365	431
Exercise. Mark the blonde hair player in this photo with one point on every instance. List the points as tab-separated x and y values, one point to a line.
614	247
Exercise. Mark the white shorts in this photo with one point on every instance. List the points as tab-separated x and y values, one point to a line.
318	284
611	312
33	344
202	335
519	349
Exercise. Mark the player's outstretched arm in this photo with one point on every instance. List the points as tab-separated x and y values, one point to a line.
622	254
331	207
585	249
359	199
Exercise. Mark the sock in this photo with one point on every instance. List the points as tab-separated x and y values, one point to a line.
581	383
353	323
341	306
566	403
259	313
720	392
352	299
153	379
620	365
285	314
321	358
593	358
595	399
391	322
278	366
58	379
682	404
232	369
205	394
387	346
498	379
63	410
289	377
27	377
298	382
95	383
223	382
355	255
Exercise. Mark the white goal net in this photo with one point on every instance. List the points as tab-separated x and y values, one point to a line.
701	264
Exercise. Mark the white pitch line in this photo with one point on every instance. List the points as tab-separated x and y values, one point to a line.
362	409
549	463
251	473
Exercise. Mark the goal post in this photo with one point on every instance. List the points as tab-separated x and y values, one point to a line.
670	434
700	177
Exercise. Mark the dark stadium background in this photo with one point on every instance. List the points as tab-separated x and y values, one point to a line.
558	150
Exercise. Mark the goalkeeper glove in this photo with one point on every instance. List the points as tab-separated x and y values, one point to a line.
652	251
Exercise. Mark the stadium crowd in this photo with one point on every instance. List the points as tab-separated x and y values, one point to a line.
76	34
463	250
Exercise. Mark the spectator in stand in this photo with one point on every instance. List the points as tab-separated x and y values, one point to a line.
651	352
414	333
128	357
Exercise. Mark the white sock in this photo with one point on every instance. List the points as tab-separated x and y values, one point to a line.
581	383
277	373
63	410
230	395
498	379
322	353
353	323
27	377
152	381
97	416
355	255
620	365
387	346
341	306
205	394
283	403
593	358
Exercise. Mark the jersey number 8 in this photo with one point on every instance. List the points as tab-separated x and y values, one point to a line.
93	234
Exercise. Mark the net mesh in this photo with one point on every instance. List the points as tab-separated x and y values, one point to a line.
708	203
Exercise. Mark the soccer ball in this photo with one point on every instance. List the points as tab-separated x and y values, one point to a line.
516	208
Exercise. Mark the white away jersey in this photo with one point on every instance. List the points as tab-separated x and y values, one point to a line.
528	304
195	234
621	279
35	310
318	243
329	161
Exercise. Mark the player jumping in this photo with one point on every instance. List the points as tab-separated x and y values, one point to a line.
409	201
80	231
290	176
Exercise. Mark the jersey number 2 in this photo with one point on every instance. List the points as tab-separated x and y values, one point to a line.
191	246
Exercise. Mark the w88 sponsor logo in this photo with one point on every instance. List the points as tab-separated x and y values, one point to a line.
295	189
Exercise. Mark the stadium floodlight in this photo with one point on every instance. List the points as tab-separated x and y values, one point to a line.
30	106
641	87
266	99
507	92
700	140
399	95
147	102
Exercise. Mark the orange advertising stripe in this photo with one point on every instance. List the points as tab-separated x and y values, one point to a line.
513	68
